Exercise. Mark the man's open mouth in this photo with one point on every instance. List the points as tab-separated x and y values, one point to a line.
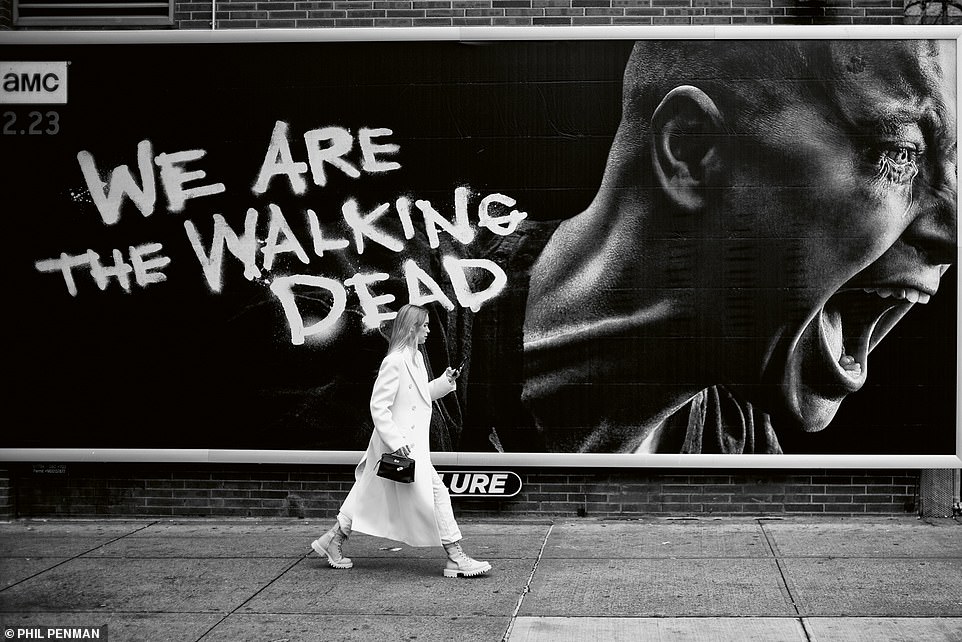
852	322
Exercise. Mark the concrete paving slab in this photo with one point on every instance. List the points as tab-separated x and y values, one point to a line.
46	545
223	528
381	586
859	539
199	547
83	527
626	540
874	587
657	588
881	579
207	539
682	629
124	627
885	629
358	629
147	586
63	539
530	528
13	570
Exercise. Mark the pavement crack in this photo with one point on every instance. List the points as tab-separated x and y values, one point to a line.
255	594
781	571
81	554
527	586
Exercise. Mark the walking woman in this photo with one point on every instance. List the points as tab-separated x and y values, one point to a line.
418	514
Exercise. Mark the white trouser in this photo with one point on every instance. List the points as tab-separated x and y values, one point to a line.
443	513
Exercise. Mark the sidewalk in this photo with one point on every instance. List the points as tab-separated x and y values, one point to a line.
710	579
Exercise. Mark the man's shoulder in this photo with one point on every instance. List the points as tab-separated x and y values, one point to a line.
518	250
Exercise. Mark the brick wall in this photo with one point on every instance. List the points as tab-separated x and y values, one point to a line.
6	494
257	14
127	490
6	14
263	14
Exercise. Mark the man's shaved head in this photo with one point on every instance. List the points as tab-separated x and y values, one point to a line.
750	80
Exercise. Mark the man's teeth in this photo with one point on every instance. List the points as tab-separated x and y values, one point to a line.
850	365
907	294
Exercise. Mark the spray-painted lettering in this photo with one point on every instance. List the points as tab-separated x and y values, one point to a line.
325	146
145	270
266	238
109	196
258	256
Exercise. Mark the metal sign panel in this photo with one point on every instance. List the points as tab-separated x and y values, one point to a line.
486	484
34	83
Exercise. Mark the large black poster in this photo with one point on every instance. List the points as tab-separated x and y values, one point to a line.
685	246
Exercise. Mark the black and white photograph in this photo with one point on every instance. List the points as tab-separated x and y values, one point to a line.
471	320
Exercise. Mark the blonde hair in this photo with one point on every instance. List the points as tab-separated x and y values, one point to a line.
409	318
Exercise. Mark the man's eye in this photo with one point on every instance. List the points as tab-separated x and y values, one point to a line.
898	163
901	155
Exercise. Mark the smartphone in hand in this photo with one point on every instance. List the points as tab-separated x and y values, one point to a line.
457	371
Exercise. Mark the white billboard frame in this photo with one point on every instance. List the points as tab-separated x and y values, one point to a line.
479	34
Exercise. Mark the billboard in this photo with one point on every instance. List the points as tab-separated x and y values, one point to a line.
647	247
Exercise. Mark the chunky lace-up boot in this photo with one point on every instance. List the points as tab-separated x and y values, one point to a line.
460	565
329	545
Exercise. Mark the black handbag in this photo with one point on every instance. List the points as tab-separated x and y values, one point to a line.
396	468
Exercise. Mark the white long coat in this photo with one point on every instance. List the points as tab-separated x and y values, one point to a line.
401	409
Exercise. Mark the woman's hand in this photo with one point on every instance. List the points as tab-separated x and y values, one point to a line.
451	374
403	451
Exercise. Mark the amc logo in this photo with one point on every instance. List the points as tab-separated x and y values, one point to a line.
476	483
33	82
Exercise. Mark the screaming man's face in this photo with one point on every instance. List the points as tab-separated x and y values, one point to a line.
848	193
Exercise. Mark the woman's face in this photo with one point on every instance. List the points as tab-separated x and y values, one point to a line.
421	332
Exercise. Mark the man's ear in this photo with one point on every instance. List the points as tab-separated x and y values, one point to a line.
685	133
